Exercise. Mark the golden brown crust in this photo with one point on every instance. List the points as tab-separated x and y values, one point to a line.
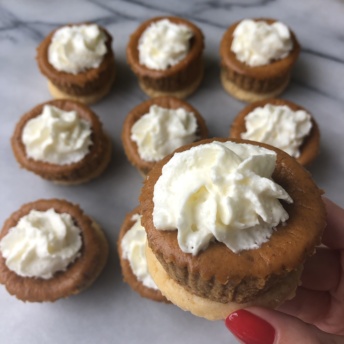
250	96
127	273
181	94
93	98
78	276
84	83
260	79
178	77
213	310
77	172
310	146
223	276
130	147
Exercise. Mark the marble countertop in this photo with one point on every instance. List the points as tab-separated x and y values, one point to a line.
110	311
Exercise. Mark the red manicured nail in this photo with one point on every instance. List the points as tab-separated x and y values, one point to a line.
249	328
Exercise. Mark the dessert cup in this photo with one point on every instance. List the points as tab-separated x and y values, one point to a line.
217	280
84	170
179	80
309	148
88	86
130	146
127	272
78	276
251	84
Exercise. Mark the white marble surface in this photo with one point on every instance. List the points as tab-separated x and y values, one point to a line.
109	311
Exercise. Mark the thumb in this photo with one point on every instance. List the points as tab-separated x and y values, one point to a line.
265	326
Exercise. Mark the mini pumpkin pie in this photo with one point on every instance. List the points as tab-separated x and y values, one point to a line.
50	249
78	61
229	224
131	249
157	127
282	124
257	56
61	141
165	53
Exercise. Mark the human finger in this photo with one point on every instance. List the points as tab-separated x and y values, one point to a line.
333	236
308	305
322	271
265	326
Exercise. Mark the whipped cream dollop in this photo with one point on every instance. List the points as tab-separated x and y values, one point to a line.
279	126
163	44
219	191
258	43
161	131
134	250
74	49
57	136
42	243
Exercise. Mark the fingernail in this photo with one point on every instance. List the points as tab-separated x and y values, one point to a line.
249	328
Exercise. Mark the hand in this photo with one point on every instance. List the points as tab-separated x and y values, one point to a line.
316	314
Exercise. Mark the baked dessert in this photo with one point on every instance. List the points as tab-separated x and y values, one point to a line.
78	62
257	56
229	224
62	141
158	126
131	247
50	249
282	124
165	53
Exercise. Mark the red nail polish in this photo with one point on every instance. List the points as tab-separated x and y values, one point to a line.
249	328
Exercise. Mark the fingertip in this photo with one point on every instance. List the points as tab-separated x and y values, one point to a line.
334	234
249	328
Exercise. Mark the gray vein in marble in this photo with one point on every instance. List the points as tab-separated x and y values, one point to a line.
322	54
37	30
315	89
15	23
233	4
120	16
196	7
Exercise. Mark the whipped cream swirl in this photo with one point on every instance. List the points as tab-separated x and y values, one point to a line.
42	243
74	49
161	131
258	43
163	44
220	191
134	250
279	126
57	136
